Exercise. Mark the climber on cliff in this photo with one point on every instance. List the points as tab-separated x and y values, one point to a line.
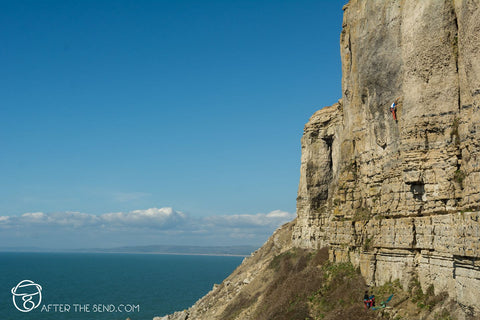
393	109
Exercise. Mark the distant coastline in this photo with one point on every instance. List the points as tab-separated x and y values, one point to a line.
233	251
167	253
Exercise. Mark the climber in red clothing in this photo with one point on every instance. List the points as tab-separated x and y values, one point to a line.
393	109
368	300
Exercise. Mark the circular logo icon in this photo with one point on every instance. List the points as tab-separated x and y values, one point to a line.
26	295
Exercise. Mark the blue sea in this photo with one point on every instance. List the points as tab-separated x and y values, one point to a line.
106	285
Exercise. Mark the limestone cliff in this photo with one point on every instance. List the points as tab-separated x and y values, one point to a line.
400	198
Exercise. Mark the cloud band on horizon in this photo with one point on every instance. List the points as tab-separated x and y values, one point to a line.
153	224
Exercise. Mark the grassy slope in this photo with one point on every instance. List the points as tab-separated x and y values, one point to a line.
280	282
302	284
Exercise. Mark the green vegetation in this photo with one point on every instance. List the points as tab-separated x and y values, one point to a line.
287	255
444	315
351	168
336	270
424	300
241	302
454	135
306	285
459	176
341	292
383	292
367	245
387	289
415	289
454	42
362	214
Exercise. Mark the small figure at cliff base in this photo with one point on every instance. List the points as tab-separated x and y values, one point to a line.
368	300
365	300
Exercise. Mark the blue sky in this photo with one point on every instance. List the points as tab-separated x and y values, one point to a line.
129	106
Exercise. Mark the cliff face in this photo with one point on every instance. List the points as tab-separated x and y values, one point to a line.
400	198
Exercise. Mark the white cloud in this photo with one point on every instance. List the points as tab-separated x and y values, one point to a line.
272	219
68	219
162	218
34	216
74	219
280	214
166	225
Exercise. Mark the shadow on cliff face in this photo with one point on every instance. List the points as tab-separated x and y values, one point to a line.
305	285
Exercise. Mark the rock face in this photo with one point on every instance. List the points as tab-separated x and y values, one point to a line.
401	198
